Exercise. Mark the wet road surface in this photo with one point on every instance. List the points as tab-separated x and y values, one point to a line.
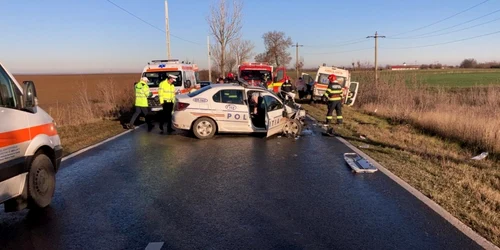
231	192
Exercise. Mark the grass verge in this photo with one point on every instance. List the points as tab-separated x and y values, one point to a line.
441	169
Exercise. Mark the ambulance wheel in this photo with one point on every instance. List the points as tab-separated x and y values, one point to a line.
204	128
41	181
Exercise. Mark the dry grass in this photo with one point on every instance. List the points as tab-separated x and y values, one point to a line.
467	115
440	169
83	99
87	108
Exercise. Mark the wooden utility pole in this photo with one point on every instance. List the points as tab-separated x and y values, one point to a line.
376	54
209	60
167	29
297	59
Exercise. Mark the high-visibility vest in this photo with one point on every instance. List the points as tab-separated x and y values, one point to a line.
166	92
334	92
141	94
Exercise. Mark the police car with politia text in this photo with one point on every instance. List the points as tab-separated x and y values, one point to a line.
237	108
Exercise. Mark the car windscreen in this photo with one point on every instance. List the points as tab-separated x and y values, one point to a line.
255	75
199	91
156	77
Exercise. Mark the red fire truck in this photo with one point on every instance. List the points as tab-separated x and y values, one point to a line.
262	74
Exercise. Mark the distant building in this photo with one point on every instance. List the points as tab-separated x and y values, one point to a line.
405	67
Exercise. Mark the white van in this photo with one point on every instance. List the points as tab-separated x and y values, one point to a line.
30	148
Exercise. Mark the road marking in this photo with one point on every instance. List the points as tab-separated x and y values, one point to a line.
154	246
433	205
96	145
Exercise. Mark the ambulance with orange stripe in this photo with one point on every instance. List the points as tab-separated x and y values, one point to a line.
30	148
157	70
320	83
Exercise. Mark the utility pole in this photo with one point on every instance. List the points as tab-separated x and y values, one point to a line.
297	59
376	56
209	60
167	30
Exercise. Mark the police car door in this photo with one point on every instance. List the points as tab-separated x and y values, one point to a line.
231	104
274	115
14	138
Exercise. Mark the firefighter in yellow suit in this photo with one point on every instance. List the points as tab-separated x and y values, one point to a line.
142	93
334	96
166	93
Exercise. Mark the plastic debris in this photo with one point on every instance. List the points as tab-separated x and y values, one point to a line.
362	137
480	157
365	146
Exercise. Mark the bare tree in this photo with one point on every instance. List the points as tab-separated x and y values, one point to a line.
242	50
262	57
225	26
231	60
277	45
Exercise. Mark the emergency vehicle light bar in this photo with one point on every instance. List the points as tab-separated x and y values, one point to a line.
164	60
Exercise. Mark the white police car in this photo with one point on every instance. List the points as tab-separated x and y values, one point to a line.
226	108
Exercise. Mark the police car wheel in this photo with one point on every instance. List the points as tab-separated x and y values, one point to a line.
41	182
204	128
292	127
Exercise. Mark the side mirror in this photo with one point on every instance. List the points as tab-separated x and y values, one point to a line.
187	84
29	96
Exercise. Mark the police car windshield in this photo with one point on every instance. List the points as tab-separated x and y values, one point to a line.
156	77
323	79
255	74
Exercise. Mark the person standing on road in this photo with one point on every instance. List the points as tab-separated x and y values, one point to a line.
142	93
334	96
166	93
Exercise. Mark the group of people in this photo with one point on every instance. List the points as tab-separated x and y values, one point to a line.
301	87
230	78
333	94
166	94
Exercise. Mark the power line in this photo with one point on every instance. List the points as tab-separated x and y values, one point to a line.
432	32
349	42
338	52
466	28
144	21
442	20
454	41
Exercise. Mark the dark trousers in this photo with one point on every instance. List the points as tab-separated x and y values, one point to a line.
166	115
337	106
138	111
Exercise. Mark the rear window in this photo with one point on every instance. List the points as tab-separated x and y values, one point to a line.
199	91
323	79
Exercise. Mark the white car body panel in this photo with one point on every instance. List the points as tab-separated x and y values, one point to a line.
229	117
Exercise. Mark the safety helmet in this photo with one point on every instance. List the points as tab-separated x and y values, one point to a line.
144	79
332	78
230	75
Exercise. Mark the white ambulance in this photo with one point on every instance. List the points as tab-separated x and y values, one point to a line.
320	83
157	70
30	148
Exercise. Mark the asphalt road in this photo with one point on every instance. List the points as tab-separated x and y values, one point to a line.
231	192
